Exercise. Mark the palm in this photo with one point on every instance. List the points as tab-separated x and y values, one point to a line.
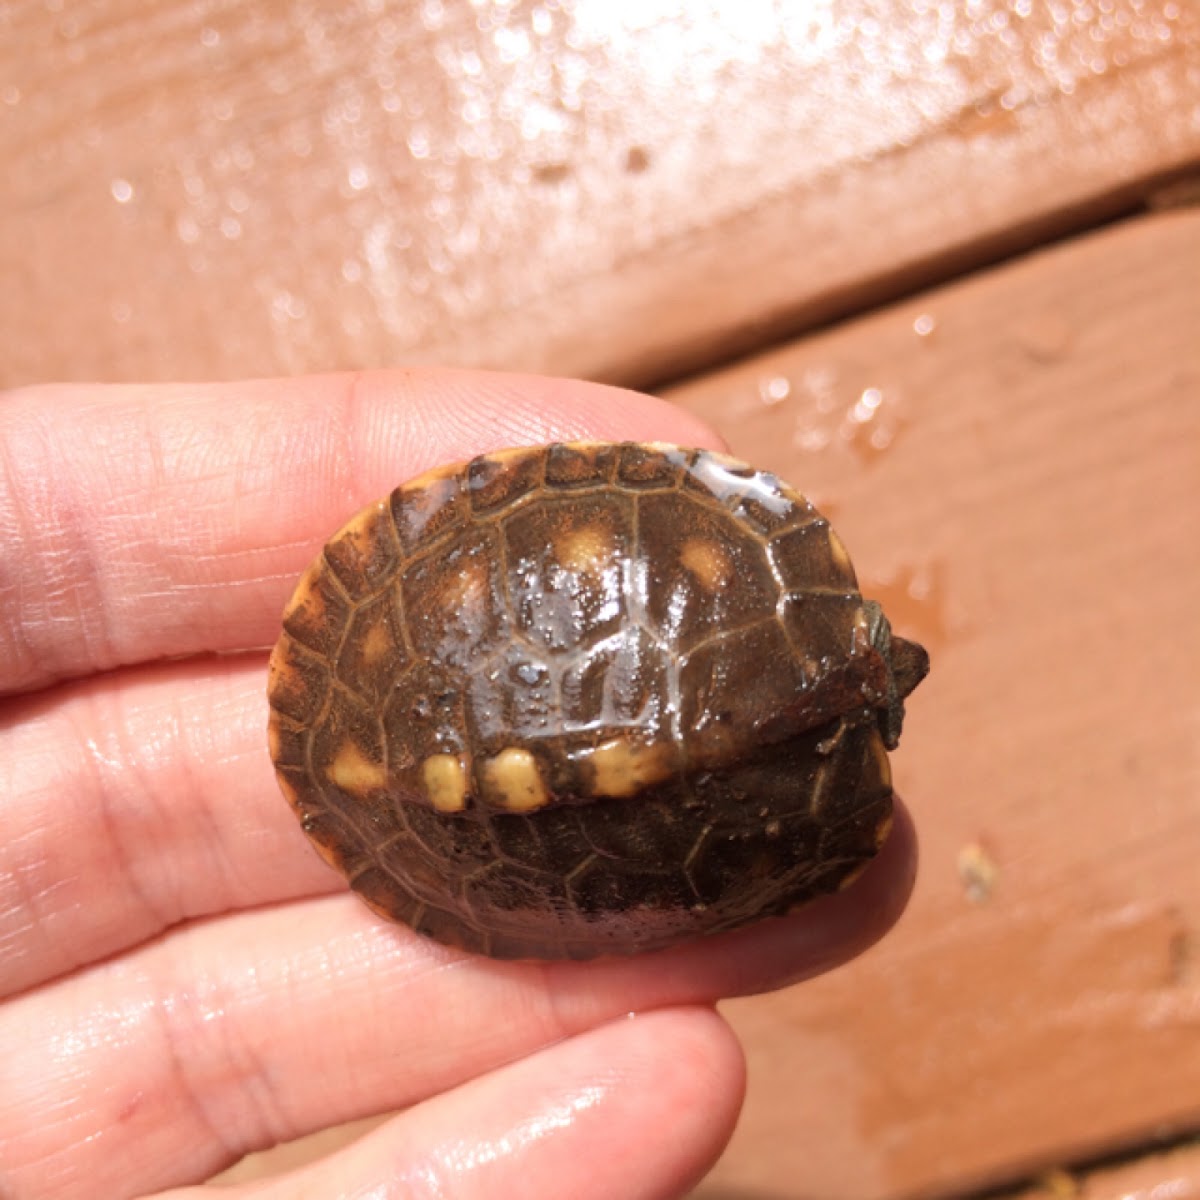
182	979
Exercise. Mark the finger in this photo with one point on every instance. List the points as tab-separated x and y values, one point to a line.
134	801
132	806
145	522
639	1108
254	1029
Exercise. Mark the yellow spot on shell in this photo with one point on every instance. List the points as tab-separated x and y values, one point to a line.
445	782
352	771
708	562
623	768
585	550
376	644
512	781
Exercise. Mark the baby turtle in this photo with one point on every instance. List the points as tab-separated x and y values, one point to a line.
586	699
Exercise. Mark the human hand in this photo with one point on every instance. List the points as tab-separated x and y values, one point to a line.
182	980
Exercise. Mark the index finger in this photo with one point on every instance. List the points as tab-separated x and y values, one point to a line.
139	523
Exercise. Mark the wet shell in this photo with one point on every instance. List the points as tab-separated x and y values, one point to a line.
588	699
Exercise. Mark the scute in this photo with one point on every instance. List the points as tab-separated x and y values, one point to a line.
587	698
711	578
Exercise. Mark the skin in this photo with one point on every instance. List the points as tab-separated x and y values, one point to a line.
181	979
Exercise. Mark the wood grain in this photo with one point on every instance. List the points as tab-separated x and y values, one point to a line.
1014	462
619	191
1157	1175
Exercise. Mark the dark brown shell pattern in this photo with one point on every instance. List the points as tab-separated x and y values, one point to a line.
588	699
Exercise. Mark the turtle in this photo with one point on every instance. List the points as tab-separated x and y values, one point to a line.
588	699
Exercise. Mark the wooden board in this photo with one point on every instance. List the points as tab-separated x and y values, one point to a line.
1157	1175
610	190
1014	462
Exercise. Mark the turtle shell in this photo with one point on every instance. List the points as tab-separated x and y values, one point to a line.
588	699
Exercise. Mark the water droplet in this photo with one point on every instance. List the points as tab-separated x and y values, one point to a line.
210	36
871	422
924	325
358	177
122	190
188	229
774	389
286	306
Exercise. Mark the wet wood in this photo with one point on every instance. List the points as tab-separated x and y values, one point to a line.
1014	462
1014	459
228	189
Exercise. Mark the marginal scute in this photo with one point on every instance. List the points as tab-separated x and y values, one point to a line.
352	771
580	464
432	505
621	768
652	467
297	681
588	698
498	479
317	611
363	553
512	781
445	782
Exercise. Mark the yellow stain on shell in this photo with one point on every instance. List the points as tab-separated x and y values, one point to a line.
376	644
586	550
445	782
623	768
708	562
352	771
513	782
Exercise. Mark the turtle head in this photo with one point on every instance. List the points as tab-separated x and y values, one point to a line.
907	664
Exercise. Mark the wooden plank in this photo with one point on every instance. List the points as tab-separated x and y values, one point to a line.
1166	1175
1014	462
612	190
